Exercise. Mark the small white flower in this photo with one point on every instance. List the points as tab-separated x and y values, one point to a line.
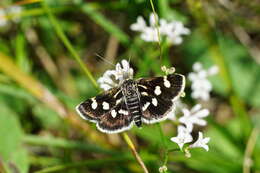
172	30
194	116
140	25
5	14
183	136
3	20
14	11
201	86
149	35
201	142
112	78
163	169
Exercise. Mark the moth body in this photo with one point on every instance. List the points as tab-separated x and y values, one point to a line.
132	100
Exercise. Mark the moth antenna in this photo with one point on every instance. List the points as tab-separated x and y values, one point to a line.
129	59
104	59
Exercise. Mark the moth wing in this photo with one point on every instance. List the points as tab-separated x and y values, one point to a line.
116	120
158	95
93	108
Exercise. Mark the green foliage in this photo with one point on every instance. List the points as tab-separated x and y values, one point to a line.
11	150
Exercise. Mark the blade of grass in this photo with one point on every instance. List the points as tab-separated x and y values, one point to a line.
135	153
67	43
249	150
88	163
64	143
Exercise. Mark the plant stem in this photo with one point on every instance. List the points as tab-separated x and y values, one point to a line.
135	153
157	29
249	150
166	151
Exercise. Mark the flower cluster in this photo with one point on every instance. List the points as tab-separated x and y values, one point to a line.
10	12
112	78
172	30
189	118
201	86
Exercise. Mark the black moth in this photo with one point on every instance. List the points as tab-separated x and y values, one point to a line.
146	100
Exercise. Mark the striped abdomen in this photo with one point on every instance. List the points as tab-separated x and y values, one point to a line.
133	105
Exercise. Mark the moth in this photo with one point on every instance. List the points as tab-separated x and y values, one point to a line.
146	100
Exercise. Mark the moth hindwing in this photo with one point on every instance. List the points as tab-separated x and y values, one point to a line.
146	100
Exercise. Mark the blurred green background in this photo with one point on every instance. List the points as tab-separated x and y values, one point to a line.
41	82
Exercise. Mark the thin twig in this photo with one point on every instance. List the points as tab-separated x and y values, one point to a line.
135	153
249	150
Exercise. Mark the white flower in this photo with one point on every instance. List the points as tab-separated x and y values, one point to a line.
183	136
163	169
3	20
11	12
14	11
112	78
172	30
149	35
201	86
201	142
194	116
140	25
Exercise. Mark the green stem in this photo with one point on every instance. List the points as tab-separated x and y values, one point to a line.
135	153
67	43
164	143
157	29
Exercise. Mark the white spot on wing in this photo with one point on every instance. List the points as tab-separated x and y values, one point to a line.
144	93
157	90
145	106
94	103
118	101
154	101
124	112
105	105
113	113
166	83
143	86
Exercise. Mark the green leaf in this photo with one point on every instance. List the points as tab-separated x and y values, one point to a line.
21	160
11	134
